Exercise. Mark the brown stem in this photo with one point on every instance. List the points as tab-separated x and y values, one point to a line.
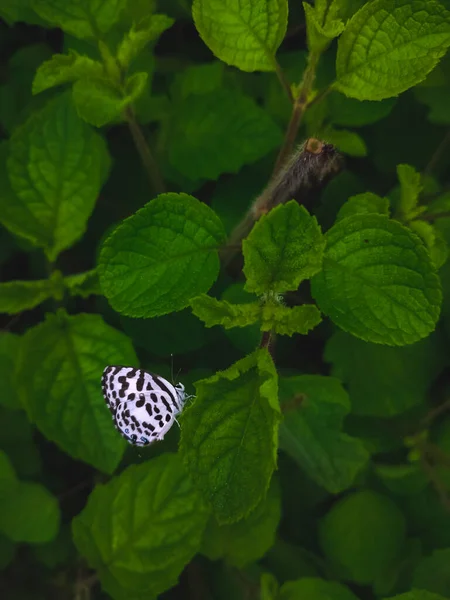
435	412
434	216
437	154
284	82
150	165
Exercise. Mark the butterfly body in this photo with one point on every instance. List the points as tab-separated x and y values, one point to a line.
143	405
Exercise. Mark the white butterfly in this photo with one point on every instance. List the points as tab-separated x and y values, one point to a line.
144	406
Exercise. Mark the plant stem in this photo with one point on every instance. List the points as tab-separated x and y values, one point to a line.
298	110
150	165
284	82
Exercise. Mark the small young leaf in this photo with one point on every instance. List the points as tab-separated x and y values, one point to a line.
56	167
58	376
99	102
245	36
139	36
283	248
378	282
29	514
9	350
220	312
229	436
314	588
139	530
198	79
62	68
224	119
162	256
322	24
82	18
364	204
287	321
384	381
83	284
434	240
403	480
311	431
17	296
249	539
360	548
390	46
410	186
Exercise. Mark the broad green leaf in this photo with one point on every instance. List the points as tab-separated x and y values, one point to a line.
349	112
322	24
17	296
287	321
436	100
284	248
410	188
432	573
313	588
378	281
56	167
249	539
389	46
9	350
384	381
198	79
82	18
17	440
224	119
417	595
403	480
99	102
362	536
246	36
220	312
139	530
362	204
314	408
246	339
140	35
29	514
348	142
58	373
83	284
64	68
162	256
229	436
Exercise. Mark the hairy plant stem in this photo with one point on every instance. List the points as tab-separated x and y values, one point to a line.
147	158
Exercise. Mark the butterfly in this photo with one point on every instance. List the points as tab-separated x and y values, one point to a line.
144	406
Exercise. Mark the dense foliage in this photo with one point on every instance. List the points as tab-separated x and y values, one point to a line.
158	208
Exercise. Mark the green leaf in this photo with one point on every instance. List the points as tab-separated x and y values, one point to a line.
284	248
364	204
311	431
432	573
17	296
198	79
322	26
417	595
362	536
348	142
434	240
410	188
143	264
141	34
224	119
139	530
58	374
269	587
99	102
29	514
378	282
8	480
220	312
287	321
436	100
249	539
82	18
64	68
314	588
389	46
229	436
56	168
384	381
246	339
402	480
245	36
348	112
9	350
83	284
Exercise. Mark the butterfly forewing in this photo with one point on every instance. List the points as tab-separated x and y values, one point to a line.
143	405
